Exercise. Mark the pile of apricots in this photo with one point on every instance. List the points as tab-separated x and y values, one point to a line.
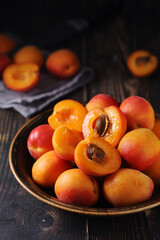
103	150
21	73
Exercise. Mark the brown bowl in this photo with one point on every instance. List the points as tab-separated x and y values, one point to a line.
21	164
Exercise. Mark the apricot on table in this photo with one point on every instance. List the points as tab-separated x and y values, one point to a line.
47	168
40	140
101	101
75	187
4	62
65	140
7	44
156	128
109	123
68	112
21	77
62	63
140	148
96	157
142	63
139	112
126	187
29	54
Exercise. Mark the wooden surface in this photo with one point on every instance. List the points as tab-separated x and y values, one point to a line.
104	48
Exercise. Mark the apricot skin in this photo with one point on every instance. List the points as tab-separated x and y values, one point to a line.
7	44
107	165
47	168
101	101
154	172
126	187
156	128
140	148
62	63
40	140
29	54
139	112
75	187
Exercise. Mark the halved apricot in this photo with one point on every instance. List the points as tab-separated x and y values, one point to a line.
65	141
21	77
97	157
68	112
109	124
142	63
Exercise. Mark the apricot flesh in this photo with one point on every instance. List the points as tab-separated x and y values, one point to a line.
140	148
75	187
127	187
96	157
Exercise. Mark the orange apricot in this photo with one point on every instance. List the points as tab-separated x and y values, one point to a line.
21	77
68	112
126	187
65	140
75	187
97	157
7	44
109	123
156	128
47	168
154	172
29	54
142	63
62	63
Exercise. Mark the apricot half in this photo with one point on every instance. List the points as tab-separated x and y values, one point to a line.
96	157
21	77
65	140
68	112
142	63
109	123
126	187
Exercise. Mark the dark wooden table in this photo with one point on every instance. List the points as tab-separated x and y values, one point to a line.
104	48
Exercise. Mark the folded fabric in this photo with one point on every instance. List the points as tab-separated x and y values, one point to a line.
48	90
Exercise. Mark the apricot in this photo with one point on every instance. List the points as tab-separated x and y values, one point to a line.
69	113
109	123
101	101
75	187
29	54
4	62
62	63
154	172
40	140
65	141
156	128
96	157
142	63
21	77
140	148
47	168
126	187
139	112
7	44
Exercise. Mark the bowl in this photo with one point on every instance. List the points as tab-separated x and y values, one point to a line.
21	164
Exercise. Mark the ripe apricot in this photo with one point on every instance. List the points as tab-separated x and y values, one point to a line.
96	157
101	101
142	63
21	77
62	63
29	54
47	168
65	141
154	172
69	113
156	128
75	187
126	187
7	44
109	123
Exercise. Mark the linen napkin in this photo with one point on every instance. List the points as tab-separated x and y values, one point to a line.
48	89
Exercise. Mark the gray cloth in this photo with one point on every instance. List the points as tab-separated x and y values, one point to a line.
48	89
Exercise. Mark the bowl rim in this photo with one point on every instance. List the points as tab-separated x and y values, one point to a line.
69	207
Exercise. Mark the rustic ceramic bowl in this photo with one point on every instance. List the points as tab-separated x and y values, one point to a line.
21	164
